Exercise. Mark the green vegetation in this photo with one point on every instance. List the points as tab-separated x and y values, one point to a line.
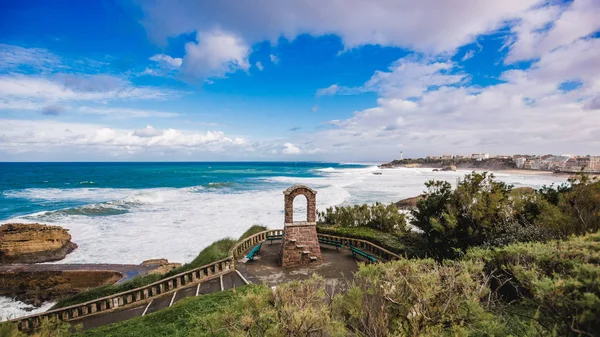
384	218
216	251
554	286
48	328
504	262
178	320
408	244
484	212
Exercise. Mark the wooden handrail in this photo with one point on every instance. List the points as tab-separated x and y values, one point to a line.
180	280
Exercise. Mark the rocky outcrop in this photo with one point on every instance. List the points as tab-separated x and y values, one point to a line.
449	168
162	266
409	203
33	243
37	287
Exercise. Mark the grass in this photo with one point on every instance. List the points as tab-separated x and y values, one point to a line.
216	251
407	244
178	320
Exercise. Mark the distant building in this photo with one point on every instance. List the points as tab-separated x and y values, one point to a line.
480	156
447	156
595	163
519	162
401	155
459	156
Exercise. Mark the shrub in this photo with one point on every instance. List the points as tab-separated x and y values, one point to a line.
560	280
418	298
298	308
385	218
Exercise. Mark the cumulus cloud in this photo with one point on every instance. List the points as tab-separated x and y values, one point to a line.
428	107
543	29
216	53
259	66
428	25
274	58
290	149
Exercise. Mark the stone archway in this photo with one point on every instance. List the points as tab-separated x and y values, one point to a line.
311	205
300	244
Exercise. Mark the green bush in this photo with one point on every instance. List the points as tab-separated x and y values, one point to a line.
558	280
385	218
418	298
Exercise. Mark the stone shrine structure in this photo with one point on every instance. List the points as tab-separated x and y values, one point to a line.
300	244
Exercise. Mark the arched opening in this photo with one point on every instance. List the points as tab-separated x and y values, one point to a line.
305	210
300	203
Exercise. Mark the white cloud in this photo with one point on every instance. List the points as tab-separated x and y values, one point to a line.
469	54
427	107
315	108
148	131
407	77
329	91
20	92
290	149
12	57
48	136
274	58
215	54
167	60
429	25
126	112
543	29
259	66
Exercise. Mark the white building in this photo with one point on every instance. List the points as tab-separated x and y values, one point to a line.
480	156
520	162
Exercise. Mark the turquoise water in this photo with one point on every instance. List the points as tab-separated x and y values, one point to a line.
24	187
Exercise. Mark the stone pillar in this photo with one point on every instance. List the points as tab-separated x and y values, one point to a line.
300	244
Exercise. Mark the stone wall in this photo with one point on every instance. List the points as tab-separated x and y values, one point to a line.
300	245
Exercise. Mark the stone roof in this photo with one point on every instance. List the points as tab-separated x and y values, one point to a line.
296	187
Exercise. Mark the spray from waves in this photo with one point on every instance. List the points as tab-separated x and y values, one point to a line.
10	308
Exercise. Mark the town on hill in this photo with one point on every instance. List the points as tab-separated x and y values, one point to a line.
563	163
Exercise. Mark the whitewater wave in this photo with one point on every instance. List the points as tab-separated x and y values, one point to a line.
10	308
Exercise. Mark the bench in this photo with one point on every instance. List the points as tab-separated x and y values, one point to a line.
253	252
356	251
337	244
274	237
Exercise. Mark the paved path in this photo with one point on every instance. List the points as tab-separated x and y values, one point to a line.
128	271
227	281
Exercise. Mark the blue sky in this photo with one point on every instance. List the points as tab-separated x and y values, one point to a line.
297	80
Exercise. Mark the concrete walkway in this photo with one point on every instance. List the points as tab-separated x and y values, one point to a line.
128	271
227	281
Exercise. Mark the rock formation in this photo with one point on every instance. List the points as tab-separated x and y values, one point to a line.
449	168
409	203
33	243
163	266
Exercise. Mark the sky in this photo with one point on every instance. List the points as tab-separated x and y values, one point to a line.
298	80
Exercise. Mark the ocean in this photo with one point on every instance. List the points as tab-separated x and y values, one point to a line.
130	212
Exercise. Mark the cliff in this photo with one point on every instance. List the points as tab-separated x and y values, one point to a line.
33	243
